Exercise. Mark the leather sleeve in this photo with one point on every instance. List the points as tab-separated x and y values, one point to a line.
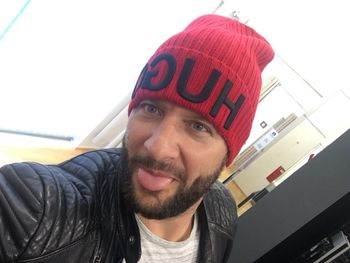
42	208
21	208
46	208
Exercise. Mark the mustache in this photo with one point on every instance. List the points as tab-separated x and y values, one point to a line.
151	163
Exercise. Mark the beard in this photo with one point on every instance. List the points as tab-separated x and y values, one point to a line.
184	197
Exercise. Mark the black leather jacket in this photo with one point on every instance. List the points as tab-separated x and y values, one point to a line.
74	212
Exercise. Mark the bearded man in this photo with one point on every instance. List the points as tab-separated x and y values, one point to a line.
157	198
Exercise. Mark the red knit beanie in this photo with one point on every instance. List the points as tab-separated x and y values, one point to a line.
212	67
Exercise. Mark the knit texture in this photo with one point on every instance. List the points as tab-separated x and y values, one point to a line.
212	67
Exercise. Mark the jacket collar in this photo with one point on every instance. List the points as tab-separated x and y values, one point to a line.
220	209
218	216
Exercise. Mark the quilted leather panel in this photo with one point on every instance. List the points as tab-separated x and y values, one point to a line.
45	207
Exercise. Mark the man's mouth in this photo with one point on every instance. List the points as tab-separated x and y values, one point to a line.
153	180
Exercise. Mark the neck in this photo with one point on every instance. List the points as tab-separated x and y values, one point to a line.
176	228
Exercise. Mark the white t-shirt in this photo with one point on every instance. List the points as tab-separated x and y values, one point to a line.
155	249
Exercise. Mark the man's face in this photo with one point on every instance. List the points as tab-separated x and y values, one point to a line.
174	155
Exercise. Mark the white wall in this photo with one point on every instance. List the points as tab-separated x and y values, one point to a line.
312	48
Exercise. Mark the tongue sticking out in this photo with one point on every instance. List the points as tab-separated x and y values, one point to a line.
152	182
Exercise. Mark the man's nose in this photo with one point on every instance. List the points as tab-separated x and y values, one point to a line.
163	143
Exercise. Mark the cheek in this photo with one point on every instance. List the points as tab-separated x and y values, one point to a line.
136	135
132	136
203	162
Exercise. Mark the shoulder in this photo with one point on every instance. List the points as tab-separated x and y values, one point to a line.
43	182
221	209
93	162
31	177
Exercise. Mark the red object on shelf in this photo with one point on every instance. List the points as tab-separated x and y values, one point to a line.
311	156
275	174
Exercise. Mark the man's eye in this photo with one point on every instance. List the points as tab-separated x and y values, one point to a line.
149	108
199	127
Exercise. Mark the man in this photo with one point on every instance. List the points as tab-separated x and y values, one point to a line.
157	198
